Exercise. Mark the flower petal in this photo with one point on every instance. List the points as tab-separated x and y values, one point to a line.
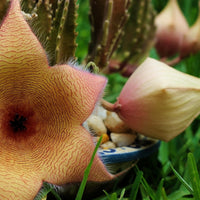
18	186
18	44
21	55
159	101
76	92
66	162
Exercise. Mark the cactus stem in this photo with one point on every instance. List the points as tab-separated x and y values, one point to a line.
105	33
62	21
107	23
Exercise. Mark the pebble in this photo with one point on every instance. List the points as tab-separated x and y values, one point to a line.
123	139
101	112
108	145
115	124
95	123
114	131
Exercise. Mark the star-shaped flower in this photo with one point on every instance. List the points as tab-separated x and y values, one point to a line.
42	110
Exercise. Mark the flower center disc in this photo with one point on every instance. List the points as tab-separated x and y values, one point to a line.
19	122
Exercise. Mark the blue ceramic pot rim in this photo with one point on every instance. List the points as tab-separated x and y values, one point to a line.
129	153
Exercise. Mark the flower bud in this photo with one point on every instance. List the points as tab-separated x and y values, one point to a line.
191	41
159	101
171	27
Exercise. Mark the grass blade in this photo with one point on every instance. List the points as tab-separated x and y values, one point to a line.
194	175
122	194
107	195
148	189
136	185
160	189
87	171
164	195
187	186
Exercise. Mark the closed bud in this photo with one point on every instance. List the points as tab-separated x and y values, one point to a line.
191	40
159	101
171	27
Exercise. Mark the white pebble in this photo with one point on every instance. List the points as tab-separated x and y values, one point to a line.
95	123
101	112
108	145
115	124
123	139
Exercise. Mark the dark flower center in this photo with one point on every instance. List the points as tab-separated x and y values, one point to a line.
18	123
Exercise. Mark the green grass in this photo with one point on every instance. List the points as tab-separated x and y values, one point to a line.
87	171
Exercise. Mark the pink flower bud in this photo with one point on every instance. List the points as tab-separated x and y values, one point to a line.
159	101
171	27
191	41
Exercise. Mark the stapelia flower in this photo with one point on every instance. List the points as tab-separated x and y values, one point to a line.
159	101
171	27
42	109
